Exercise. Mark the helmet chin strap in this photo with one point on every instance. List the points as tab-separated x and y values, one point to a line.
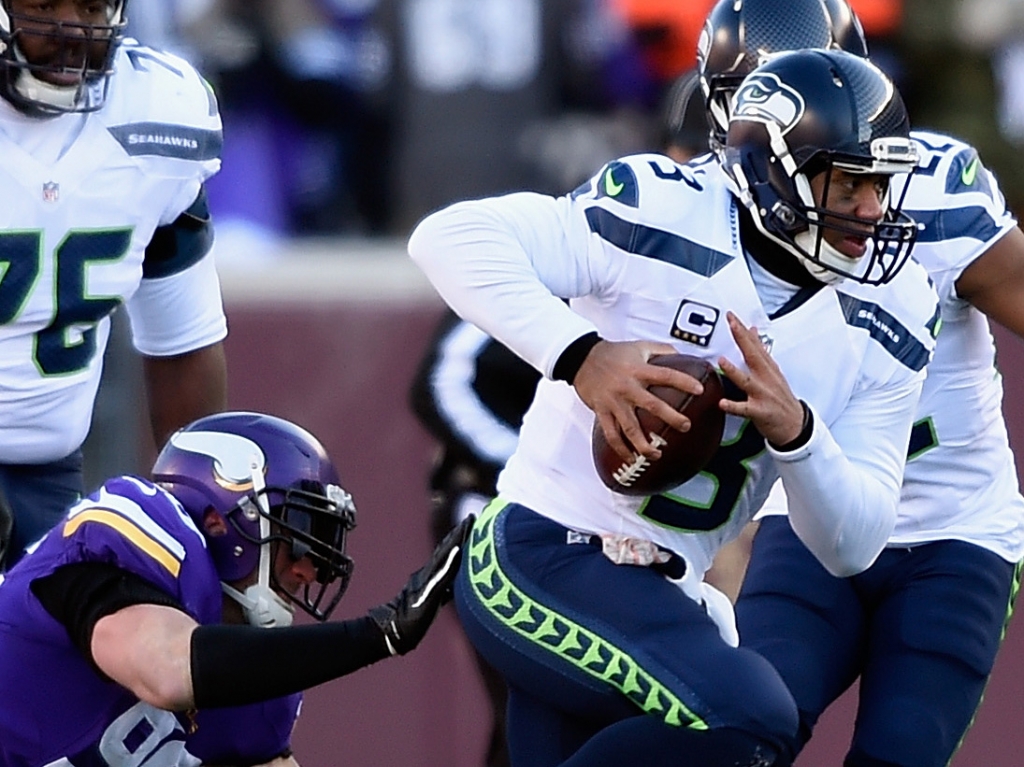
826	254
813	241
32	88
263	607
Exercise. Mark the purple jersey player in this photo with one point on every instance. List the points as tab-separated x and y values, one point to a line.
136	604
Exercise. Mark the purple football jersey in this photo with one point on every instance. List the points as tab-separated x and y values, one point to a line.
244	734
56	708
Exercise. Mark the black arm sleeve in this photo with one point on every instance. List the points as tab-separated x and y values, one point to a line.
78	595
238	665
571	359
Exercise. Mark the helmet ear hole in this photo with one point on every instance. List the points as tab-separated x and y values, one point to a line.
214	524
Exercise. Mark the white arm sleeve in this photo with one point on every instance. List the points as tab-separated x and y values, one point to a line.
504	264
843	486
180	313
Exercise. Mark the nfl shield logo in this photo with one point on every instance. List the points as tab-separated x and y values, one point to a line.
51	191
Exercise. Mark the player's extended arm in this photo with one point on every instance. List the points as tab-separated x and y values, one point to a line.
145	648
994	282
183	388
169	661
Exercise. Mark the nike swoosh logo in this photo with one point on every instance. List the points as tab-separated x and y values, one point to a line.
610	187
970	172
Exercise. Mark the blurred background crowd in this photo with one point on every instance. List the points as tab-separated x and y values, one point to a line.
357	117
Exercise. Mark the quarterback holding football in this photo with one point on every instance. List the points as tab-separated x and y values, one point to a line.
786	267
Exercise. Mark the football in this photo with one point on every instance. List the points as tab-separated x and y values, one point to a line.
683	454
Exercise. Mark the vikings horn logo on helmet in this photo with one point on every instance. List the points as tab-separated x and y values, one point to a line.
234	457
766	99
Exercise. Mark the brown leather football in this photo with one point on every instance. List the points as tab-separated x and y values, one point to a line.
683	454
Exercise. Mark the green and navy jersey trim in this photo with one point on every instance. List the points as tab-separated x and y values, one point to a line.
797	300
923	438
179	142
967	174
653	243
553	632
139	55
934	325
886	330
618	182
938	152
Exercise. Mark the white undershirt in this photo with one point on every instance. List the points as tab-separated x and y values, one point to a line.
47	139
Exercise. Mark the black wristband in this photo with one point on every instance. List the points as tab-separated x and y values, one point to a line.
571	360
802	438
238	665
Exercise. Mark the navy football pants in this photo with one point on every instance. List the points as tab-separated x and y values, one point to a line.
38	496
921	628
609	664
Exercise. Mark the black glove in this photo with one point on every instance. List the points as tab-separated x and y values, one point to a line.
405	619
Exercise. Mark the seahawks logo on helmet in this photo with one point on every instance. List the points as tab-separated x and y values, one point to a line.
764	98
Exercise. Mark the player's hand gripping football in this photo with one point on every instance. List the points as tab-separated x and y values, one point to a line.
405	619
614	381
770	405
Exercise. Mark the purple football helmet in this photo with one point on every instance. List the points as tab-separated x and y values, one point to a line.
274	485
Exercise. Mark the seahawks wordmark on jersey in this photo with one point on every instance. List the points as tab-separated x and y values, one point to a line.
83	196
961	480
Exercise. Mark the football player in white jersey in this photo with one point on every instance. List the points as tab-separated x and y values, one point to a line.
921	626
105	148
790	273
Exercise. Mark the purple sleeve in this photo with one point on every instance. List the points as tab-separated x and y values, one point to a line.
133	525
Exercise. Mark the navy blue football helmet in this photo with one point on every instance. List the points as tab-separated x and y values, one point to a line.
274	485
846	28
73	75
738	37
808	112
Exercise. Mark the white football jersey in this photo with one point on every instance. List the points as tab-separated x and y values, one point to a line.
960	481
82	195
650	250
